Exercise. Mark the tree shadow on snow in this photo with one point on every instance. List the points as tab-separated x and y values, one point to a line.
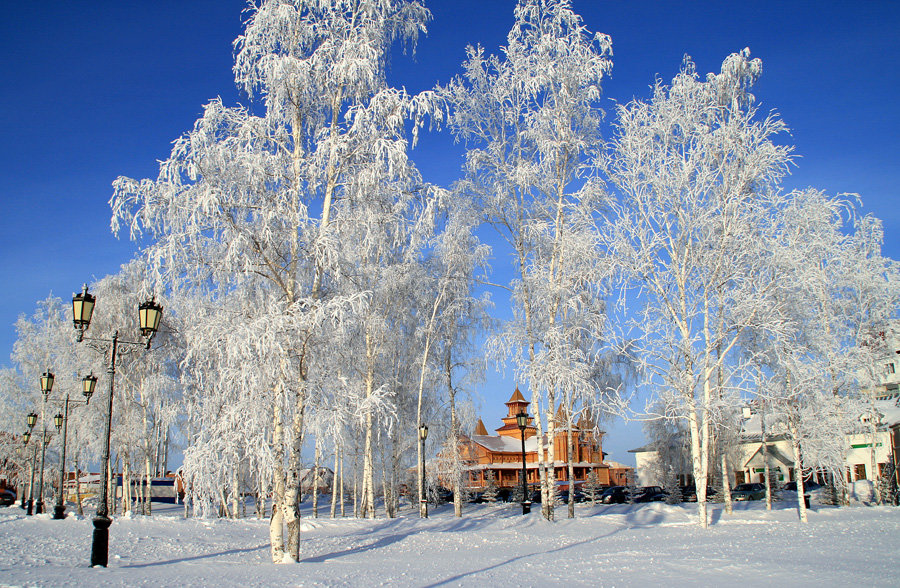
265	546
511	560
383	542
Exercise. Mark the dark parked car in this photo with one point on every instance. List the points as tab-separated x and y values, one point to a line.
614	495
689	493
442	495
7	497
650	494
563	496
475	497
751	491
807	486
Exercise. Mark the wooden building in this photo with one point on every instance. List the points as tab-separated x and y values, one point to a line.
502	453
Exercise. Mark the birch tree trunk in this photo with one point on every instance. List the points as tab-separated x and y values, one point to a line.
798	465
550	501
334	483
765	454
315	490
276	523
726	483
78	487
341	496
291	506
126	487
699	462
368	458
454	438
570	453
235	493
148	479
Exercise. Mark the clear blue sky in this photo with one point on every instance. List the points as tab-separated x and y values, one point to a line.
93	90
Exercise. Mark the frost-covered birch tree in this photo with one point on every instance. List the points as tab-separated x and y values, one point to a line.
245	200
698	171
531	118
839	295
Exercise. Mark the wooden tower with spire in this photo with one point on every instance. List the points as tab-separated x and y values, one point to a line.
515	405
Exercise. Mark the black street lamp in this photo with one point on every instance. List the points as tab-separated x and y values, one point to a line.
26	437
149	314
31	420
62	422
522	421
423	502
47	379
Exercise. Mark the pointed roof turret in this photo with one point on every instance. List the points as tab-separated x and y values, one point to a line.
516	397
480	429
561	414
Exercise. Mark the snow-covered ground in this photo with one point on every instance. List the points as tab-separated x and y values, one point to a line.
617	545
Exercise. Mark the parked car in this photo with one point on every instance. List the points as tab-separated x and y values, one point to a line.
7	497
475	497
614	495
812	491
749	491
809	486
563	496
689	493
650	494
442	495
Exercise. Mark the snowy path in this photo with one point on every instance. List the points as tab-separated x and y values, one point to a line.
652	544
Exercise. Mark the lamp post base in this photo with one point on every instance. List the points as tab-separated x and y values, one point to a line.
59	512
100	545
39	507
28	508
526	507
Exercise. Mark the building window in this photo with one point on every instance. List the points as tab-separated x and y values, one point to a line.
860	470
889	368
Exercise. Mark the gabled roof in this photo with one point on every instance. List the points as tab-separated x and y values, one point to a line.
773	453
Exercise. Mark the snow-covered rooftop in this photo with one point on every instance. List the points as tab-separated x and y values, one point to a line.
505	444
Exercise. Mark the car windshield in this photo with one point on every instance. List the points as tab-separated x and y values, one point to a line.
746	487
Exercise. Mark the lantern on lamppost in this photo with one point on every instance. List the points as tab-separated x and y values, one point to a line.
423	502
522	422
88	383
82	310
31	420
149	315
47	379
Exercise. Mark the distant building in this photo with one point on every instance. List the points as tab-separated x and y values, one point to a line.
502	453
750	466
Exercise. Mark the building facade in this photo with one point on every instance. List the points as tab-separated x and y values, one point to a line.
500	456
879	445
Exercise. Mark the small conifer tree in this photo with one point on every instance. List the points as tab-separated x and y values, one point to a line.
591	487
491	491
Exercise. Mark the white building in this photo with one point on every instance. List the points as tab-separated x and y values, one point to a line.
749	465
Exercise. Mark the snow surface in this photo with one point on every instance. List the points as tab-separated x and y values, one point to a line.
492	545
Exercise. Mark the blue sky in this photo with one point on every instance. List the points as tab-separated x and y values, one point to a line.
95	90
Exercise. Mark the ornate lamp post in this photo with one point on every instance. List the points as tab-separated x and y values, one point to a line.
149	314
62	422
47	379
423	502
522	421
26	437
